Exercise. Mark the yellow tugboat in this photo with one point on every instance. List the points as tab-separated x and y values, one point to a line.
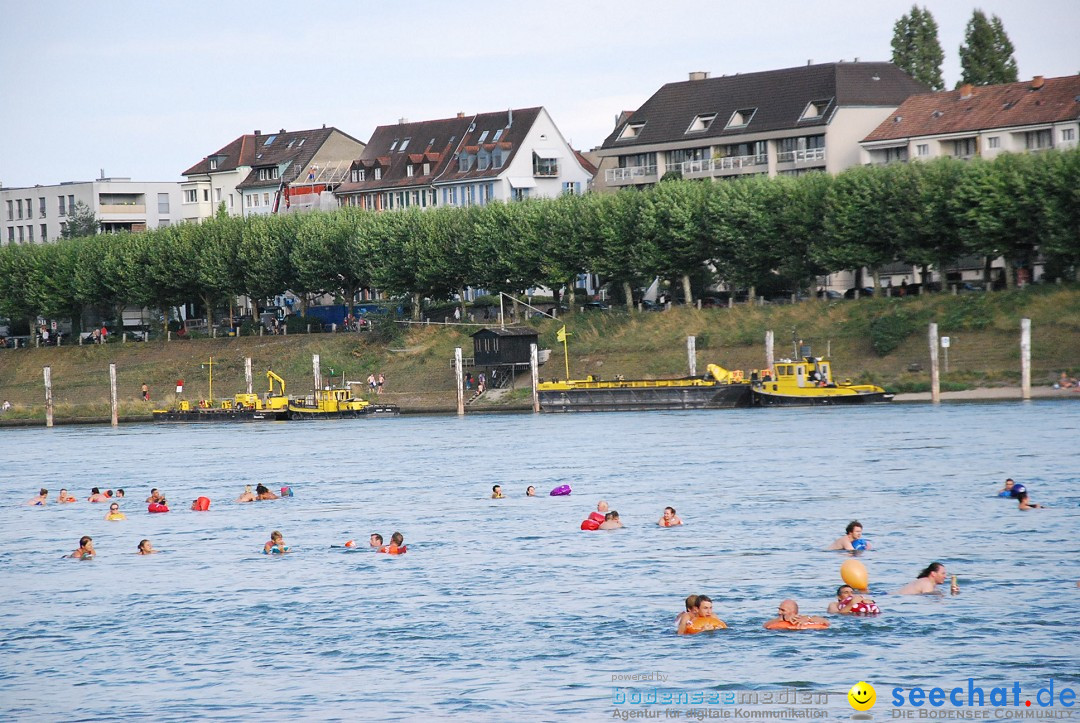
332	403
809	382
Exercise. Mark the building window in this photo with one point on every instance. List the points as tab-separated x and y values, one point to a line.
741	118
701	123
427	169
497	158
190	196
572	188
230	201
545	166
11	233
482	160
409	170
71	203
163	223
268	174
30	232
498	134
163	203
814	110
964	148
923	149
206	194
1038	140
63	210
378	174
18	207
464	162
483	137
1068	134
404	145
520	194
266	199
213	164
41	207
993	142
632	130
10	206
680	156
21	239
217	195
44	233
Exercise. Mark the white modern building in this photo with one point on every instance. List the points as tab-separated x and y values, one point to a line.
40	213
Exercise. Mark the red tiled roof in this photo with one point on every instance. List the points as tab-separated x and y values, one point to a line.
988	106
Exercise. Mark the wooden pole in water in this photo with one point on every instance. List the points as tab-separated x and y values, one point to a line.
460	381
769	340
935	375
1025	358
534	365
247	373
691	354
112	394
47	371
316	370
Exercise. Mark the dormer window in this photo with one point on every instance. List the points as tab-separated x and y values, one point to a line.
409	170
427	169
814	110
632	130
741	118
268	174
701	123
378	174
483	137
213	164
497	158
482	160
464	162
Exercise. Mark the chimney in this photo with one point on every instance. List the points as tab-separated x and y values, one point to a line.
461	114
856	58
810	61
509	117
1037	82
283	130
966	91
402	121
258	132
699	75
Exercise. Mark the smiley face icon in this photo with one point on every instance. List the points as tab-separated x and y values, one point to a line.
862	696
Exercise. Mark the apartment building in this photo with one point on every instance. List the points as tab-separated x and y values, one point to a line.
464	161
1023	117
39	213
788	121
262	173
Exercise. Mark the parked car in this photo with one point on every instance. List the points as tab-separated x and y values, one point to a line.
864	291
829	295
647	305
595	306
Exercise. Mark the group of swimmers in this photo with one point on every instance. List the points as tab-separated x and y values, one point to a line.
1014	490
86	549
96	495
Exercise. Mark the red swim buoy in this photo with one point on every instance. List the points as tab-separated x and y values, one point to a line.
202	504
590	524
155	507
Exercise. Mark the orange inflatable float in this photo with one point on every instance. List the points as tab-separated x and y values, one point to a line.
701	625
592	522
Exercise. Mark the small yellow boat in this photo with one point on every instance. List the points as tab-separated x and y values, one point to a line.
809	382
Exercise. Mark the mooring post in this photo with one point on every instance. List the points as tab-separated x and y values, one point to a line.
935	374
769	340
47	371
247	373
1025	358
534	365
460	381
691	354
316	369
112	395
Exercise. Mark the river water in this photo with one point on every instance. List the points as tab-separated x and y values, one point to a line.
503	609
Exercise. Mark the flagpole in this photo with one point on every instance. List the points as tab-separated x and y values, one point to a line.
566	357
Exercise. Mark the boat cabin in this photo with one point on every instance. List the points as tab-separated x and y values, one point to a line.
807	372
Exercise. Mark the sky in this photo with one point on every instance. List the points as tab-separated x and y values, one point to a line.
145	90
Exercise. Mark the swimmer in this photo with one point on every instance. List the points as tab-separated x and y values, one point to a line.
691	612
64	497
530	491
788	618
852	539
611	521
1006	491
703	620
1026	504
96	496
496	492
262	492
850	603
155	496
86	549
602	507
119	492
376	540
396	546
926	583
247	496
41	499
669	518
145	548
276	545
115	513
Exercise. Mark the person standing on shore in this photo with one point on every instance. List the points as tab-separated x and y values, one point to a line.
381	380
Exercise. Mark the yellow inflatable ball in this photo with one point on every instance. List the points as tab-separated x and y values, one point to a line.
854	573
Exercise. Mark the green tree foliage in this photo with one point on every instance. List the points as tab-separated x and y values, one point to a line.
80	221
916	49
986	57
670	230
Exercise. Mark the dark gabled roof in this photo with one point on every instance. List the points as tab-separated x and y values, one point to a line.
512	331
511	139
987	106
293	149
440	141
777	98
436	139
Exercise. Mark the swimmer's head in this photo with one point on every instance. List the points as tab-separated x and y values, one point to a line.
934	571
275	535
669	512
262	489
85	540
397	538
602	506
376	539
843	591
852	527
247	488
114	507
613	515
692	602
43	492
1009	483
144	545
788	608
704	606
96	491
119	492
530	491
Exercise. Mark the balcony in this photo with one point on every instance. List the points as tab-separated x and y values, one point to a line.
714	166
125	209
630	174
809	155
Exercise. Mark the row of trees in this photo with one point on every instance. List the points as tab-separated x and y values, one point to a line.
753	232
986	57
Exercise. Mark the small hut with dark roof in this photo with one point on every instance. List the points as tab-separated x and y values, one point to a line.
495	347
